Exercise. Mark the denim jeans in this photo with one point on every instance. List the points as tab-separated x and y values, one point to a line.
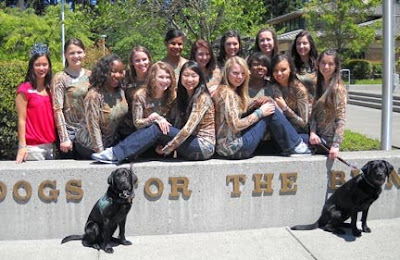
141	140
281	131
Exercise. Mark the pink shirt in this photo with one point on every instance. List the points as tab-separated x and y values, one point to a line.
39	116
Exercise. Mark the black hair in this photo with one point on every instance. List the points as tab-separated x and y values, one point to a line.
182	96
174	33
336	77
261	58
222	54
313	56
30	74
101	70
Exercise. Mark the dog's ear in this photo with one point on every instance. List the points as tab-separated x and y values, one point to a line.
365	169
111	178
389	168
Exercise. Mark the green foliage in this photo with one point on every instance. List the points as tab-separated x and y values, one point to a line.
335	24
377	69
369	81
359	69
358	142
11	75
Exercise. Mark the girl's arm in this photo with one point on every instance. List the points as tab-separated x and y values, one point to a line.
340	116
21	104
200	107
138	105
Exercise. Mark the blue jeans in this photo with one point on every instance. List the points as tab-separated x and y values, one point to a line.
141	140
281	131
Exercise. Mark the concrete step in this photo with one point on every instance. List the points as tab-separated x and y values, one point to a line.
371	100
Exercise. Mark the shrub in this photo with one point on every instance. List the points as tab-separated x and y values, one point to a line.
12	73
359	69
358	142
377	69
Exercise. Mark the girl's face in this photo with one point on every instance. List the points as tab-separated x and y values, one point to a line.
175	47
258	70
327	66
303	46
266	42
162	80
202	57
281	72
75	55
141	63
41	67
231	46
190	80
117	73
236	75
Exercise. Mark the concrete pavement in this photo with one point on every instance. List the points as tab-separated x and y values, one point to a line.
271	243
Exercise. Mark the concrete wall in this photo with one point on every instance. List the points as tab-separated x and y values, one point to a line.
210	206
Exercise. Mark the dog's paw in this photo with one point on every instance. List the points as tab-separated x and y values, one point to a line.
96	246
108	249
126	242
366	229
356	232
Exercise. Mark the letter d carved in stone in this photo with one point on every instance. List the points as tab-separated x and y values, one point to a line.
3	191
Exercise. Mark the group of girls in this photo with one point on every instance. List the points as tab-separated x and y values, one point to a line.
196	107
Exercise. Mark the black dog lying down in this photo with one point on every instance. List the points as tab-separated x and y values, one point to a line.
352	197
109	212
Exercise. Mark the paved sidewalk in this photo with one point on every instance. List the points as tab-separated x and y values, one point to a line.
271	243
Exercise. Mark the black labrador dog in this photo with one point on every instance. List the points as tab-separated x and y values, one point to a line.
354	196
109	212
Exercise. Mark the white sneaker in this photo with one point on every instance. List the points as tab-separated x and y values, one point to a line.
106	156
300	150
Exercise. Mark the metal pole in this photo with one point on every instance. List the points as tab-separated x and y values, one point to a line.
62	32
388	70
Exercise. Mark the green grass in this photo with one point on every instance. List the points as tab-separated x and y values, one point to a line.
358	142
369	81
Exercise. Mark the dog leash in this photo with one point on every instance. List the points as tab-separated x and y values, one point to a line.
327	149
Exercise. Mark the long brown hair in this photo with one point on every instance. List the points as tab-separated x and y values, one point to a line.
151	77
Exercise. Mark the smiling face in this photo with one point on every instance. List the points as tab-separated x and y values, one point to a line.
202	57
190	80
162	81
175	46
281	73
303	47
236	75
266	42
141	63
231	46
117	73
258	70
41	67
75	56
327	66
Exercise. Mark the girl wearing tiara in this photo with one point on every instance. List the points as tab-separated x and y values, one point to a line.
36	132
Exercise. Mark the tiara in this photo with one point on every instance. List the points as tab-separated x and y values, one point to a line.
39	48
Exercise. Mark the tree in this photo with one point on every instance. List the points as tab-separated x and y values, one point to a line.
280	7
335	24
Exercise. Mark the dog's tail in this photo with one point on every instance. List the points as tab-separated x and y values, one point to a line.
305	227
72	237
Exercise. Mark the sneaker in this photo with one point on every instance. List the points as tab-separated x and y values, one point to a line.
300	150
106	156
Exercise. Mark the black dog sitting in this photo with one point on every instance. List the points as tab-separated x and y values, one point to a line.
352	197
109	212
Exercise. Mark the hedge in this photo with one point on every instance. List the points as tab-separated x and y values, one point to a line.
12	73
359	69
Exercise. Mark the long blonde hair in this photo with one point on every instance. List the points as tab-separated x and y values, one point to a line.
243	90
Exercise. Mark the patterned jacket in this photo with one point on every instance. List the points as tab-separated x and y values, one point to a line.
68	94
327	122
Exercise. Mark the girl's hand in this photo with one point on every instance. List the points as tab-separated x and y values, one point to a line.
333	153
280	102
164	125
66	146
154	116
268	108
22	155
314	139
159	150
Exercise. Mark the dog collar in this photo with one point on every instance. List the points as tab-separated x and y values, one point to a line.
367	181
